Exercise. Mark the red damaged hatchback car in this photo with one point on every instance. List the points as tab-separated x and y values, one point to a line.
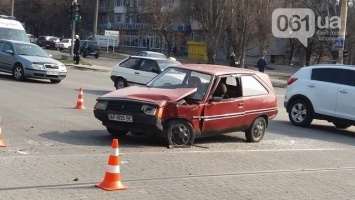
190	101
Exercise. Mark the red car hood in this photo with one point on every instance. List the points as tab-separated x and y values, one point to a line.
155	95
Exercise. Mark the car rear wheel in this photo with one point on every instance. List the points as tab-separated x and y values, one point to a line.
18	73
117	133
83	54
341	125
300	113
256	131
96	56
180	133
120	83
55	81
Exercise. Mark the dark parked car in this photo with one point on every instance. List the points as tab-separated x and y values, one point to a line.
41	40
89	48
50	43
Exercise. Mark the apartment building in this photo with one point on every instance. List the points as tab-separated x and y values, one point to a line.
128	17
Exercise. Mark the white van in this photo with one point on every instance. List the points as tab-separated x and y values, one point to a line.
106	41
11	29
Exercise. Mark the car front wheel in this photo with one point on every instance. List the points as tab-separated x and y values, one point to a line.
18	73
180	133
117	133
256	131
300	113
120	83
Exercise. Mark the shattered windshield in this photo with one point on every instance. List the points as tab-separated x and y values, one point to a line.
174	78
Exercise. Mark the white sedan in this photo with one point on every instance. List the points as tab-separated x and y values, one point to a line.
138	70
63	44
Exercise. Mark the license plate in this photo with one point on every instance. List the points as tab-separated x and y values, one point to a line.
120	118
52	73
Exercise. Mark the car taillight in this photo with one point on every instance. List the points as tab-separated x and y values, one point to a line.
291	80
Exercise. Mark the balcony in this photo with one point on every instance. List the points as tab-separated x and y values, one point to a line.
120	9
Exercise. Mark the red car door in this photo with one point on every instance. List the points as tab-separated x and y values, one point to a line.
227	112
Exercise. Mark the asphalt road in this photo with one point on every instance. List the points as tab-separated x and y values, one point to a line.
57	152
103	60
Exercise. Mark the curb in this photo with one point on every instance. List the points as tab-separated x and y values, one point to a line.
275	82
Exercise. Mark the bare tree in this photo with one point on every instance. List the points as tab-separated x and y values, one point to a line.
241	30
5	7
45	16
161	16
215	17
263	10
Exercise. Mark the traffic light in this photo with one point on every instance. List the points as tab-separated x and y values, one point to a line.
345	53
70	17
77	16
71	12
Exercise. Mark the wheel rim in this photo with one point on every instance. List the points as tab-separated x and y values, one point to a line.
18	72
120	84
299	112
180	134
259	129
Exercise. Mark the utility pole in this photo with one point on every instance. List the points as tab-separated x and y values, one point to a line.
74	3
94	29
12	7
342	31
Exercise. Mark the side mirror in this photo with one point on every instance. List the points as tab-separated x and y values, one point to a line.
50	55
217	99
9	51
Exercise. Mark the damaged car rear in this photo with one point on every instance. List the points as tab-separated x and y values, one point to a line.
190	101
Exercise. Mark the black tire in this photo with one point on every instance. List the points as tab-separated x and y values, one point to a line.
120	83
117	133
83	54
340	125
18	73
256	131
180	133
55	81
96	56
300	113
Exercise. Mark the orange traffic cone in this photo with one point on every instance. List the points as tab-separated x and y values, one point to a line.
80	101
112	179
2	144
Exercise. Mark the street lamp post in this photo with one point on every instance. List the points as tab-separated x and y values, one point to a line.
94	30
342	31
73	29
12	7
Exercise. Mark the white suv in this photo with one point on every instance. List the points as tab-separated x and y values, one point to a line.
138	70
325	92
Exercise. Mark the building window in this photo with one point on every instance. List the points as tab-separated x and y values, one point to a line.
118	18
119	2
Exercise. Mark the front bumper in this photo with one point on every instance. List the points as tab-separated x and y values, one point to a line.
45	74
142	123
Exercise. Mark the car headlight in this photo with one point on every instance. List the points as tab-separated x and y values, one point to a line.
61	66
101	105
148	110
36	66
